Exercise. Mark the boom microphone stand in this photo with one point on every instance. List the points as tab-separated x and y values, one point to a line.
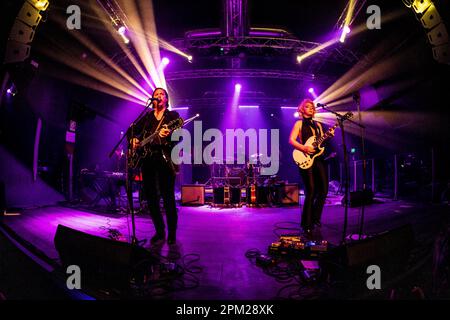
130	131
340	119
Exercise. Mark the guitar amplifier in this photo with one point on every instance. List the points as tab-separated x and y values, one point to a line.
289	194
192	195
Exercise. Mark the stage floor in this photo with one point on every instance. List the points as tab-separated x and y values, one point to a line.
222	236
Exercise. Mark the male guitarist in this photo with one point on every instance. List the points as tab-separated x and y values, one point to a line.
158	170
314	178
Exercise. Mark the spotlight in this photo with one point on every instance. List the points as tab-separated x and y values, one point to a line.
165	61
248	107
237	87
346	29
311	90
12	91
299	59
190	58
122	30
296	114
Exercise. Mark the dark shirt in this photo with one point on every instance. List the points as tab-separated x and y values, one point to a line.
309	128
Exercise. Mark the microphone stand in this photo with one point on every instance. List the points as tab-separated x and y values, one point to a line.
340	119
357	99
128	175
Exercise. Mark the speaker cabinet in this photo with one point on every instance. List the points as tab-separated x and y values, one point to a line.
104	263
193	195
29	15
359	198
22	33
430	18
389	250
438	35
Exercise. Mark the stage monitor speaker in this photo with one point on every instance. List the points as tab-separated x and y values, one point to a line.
104	263
442	53
22	33
430	18
192	195
358	198
29	15
389	250
16	52
438	35
289	194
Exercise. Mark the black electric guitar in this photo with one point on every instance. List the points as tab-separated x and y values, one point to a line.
137	155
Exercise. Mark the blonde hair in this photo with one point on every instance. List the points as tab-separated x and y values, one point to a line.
301	106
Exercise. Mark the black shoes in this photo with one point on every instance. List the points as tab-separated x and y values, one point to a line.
157	238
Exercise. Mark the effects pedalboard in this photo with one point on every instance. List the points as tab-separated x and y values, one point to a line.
298	246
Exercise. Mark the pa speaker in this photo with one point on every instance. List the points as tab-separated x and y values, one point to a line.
438	35
16	52
442	53
420	6
389	250
104	263
21	32
359	198
29	15
192	195
430	18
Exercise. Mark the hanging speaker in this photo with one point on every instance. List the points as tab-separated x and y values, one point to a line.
16	52
442	53
420	6
430	18
438	35
21	32
29	15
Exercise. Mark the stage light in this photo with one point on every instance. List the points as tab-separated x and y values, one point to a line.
311	90
296	114
12	91
292	108
190	58
122	30
237	87
299	59
165	61
248	107
345	31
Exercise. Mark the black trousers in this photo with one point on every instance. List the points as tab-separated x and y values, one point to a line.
159	181
315	180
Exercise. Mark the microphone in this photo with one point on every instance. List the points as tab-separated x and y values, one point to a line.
150	100
321	105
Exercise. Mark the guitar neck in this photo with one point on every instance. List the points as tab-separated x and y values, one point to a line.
327	134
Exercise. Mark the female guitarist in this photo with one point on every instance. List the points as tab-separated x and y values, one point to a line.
315	178
158	170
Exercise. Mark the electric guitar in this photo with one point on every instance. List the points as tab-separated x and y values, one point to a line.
137	155
304	160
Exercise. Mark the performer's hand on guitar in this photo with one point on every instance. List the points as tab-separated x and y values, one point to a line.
164	132
134	143
308	150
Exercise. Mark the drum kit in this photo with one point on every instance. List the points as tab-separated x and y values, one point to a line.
235	185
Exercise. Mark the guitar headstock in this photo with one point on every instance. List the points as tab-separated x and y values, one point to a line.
175	124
